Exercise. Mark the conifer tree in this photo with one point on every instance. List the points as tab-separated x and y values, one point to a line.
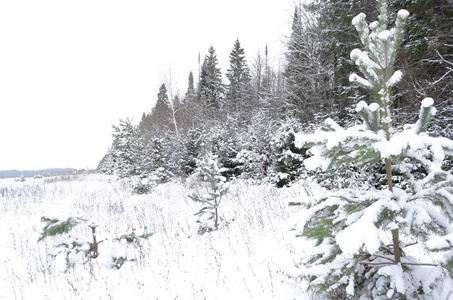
361	238
142	125
127	149
308	74
293	69
155	159
189	112
288	159
210	171
161	115
239	93
191	149
339	38
210	85
190	93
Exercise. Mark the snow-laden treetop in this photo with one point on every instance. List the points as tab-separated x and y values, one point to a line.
381	48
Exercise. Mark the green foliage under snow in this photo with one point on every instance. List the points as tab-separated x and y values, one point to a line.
367	241
210	172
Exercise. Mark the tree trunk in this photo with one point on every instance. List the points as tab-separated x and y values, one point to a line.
388	171
216	223
95	243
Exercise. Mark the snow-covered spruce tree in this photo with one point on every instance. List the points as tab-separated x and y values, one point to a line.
224	141
155	159
107	164
379	243
239	92
191	148
162	114
127	149
210	172
210	87
255	156
138	156
288	160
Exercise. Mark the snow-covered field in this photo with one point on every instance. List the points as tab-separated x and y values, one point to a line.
249	257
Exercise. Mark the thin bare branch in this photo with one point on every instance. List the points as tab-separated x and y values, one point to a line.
420	264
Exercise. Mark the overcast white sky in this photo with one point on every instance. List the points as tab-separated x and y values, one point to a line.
71	69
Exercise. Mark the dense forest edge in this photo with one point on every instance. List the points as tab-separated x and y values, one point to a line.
250	122
363	104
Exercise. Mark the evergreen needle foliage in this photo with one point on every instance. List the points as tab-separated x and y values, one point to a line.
77	249
56	227
210	172
133	238
360	236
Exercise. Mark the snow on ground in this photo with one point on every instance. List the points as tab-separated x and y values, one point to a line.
250	257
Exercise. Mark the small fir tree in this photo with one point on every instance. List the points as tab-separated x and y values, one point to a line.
210	172
361	238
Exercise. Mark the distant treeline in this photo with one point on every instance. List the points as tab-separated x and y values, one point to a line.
28	173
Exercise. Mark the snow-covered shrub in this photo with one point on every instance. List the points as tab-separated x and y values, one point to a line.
251	164
288	161
141	186
134	239
210	172
74	248
130	240
224	142
71	247
144	184
369	243
256	154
